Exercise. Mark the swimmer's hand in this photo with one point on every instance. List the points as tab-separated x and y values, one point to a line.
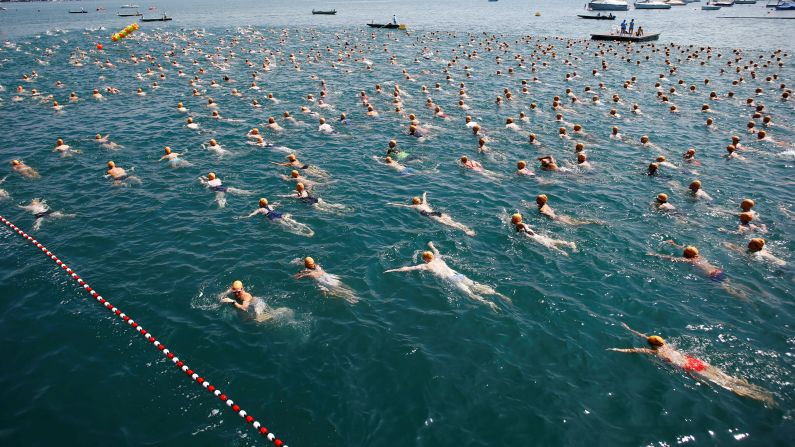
227	300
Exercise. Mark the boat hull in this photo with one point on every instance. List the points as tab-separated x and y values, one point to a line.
652	6
625	38
607	7
611	17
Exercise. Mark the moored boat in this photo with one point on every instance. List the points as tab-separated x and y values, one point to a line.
710	7
386	25
608	5
724	4
132	14
652	4
326	13
785	6
82	11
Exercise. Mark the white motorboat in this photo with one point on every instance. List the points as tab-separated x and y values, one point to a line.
608	5
652	4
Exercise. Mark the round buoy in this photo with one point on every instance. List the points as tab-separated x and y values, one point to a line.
99	46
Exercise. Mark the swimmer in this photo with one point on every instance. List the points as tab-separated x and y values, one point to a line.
662	161
181	108
521	169
303	195
214	183
325	127
471	164
241	299
434	263
746	227
293	162
24	170
546	241
173	158
424	209
698	369
191	125
40	211
546	210
661	203
284	219
402	169
119	175
697	192
757	250
273	125
691	256
3	193
690	157
105	142
64	149
394	152
295	176
327	283
213	145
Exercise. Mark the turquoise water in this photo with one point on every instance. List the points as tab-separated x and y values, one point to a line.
415	362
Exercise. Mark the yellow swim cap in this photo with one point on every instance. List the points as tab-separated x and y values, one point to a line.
237	285
656	341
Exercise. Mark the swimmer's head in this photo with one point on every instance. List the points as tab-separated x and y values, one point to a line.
167	150
299	187
271	120
644	139
655	341
747	204
309	262
291	157
579	147
111	165
416	200
516	219
392	143
756	244
695	185
690	252
464	159
97	137
746	217
388	160
541	199
521	164
15	162
662	198
661	159
427	256
213	142
581	157
294	173
237	286
255	131
59	142
211	176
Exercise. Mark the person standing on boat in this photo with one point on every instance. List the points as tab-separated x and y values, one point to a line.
631	26
394	19
624	26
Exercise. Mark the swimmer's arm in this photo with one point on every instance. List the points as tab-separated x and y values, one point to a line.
672	242
253	213
302	274
243	306
281	164
433	249
639	334
633	350
732	247
668	257
400	204
407	268
424	198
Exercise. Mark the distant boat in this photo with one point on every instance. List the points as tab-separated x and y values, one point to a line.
132	14
386	25
723	3
82	11
652	4
325	13
608	5
625	37
597	17
785	6
130	6
710	7
744	2
158	19
676	2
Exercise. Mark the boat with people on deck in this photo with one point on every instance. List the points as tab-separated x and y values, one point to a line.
597	17
165	18
608	5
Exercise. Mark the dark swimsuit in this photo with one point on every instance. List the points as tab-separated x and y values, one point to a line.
309	199
220	188
271	214
304	167
522	228
42	214
717	275
430	214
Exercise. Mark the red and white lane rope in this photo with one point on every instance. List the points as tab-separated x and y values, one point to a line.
149	337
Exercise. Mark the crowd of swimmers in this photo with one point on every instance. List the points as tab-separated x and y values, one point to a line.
306	175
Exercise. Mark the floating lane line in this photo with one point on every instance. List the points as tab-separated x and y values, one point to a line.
151	339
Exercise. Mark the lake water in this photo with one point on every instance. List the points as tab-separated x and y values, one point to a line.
414	362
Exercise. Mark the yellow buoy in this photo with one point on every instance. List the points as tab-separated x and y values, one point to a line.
538	14
403	27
